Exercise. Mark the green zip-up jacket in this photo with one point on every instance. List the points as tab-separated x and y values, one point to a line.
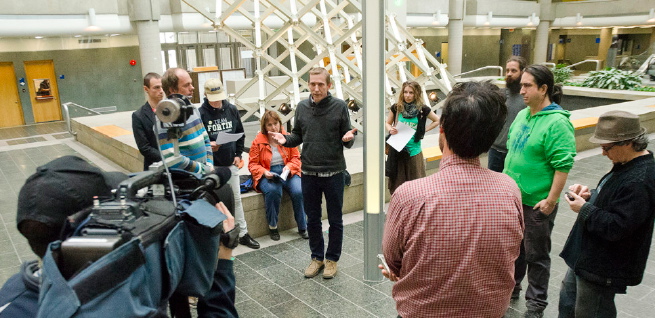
538	146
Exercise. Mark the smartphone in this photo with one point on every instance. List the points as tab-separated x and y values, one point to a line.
569	196
384	263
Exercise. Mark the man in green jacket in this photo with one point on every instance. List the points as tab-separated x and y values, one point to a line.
541	148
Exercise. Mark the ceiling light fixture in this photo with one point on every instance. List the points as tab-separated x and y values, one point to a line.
490	16
578	19
651	15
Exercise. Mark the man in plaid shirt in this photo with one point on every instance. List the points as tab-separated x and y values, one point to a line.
451	239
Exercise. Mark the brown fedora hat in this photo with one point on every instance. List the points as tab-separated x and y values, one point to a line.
617	125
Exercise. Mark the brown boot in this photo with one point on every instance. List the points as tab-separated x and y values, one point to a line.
314	267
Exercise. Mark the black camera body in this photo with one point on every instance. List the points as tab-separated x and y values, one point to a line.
106	225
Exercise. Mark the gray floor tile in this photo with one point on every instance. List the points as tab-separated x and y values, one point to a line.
358	293
283	275
250	308
383	308
339	309
267	294
312	291
279	249
295	309
258	260
296	259
245	275
9	259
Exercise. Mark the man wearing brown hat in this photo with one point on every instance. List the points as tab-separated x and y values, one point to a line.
608	246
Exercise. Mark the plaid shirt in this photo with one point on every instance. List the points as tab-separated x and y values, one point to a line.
452	239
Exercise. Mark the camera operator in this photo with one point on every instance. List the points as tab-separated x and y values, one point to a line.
63	187
194	142
58	189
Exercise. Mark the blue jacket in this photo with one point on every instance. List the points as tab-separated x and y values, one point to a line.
19	296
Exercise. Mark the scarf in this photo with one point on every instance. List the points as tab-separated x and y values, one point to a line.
410	110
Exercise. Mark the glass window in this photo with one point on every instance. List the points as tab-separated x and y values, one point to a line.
209	56
172	58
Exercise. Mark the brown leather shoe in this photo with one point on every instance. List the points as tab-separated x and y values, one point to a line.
330	269
314	267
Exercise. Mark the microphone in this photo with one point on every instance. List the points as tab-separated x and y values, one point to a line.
218	178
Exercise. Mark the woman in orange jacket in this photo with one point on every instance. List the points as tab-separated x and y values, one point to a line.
274	168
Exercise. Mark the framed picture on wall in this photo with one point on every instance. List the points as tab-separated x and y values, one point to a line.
42	88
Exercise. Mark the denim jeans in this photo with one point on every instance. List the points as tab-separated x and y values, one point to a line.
579	298
496	160
272	190
537	245
313	189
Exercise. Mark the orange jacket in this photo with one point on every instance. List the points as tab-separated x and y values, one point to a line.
259	160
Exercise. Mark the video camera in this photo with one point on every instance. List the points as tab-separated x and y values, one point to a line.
106	225
173	112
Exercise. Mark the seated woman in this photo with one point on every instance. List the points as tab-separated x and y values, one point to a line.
274	168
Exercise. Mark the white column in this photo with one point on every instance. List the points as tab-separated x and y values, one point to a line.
546	17
541	42
373	81
455	36
145	14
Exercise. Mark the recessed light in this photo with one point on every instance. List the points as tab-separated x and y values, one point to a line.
78	36
38	37
115	34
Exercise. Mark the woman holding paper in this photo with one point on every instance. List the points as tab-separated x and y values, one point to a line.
274	168
410	111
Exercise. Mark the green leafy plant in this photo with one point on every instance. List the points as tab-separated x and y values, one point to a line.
644	89
612	78
562	73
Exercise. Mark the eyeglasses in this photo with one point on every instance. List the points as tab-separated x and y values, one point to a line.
607	148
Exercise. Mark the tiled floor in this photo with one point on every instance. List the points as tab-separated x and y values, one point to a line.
270	282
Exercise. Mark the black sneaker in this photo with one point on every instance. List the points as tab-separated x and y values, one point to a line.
304	234
248	241
274	234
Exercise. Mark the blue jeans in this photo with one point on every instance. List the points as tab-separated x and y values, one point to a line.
537	245
579	298
272	190
496	160
313	189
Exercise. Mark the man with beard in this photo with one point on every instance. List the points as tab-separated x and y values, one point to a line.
513	71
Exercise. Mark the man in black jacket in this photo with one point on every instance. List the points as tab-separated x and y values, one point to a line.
609	243
322	125
219	116
143	121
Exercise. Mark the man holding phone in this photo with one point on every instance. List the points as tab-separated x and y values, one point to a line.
609	243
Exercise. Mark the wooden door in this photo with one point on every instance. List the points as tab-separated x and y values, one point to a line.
10	106
444	52
43	90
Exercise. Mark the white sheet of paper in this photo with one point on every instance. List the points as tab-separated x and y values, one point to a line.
399	140
223	138
284	175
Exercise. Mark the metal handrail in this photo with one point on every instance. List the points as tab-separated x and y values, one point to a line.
551	65
500	68
96	111
586	61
